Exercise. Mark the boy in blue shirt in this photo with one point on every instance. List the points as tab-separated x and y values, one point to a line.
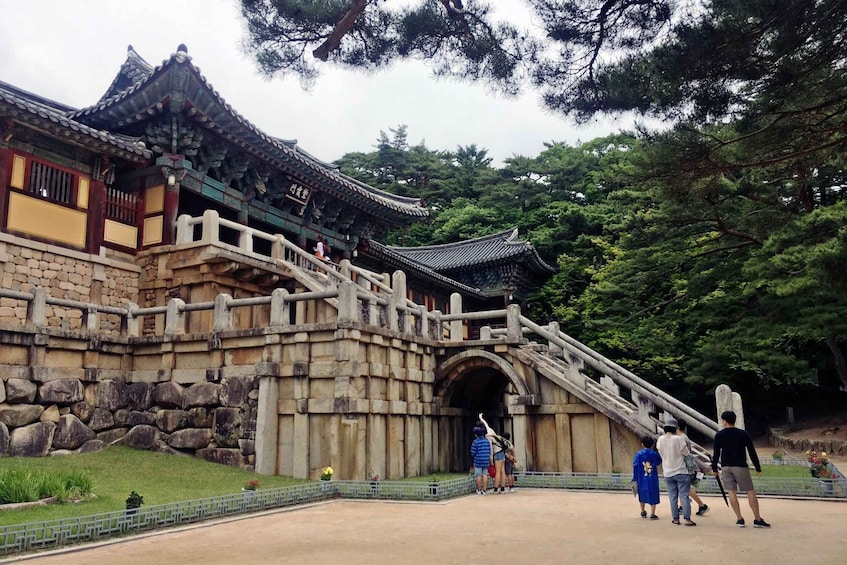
646	477
481	456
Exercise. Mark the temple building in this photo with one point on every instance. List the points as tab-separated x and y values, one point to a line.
110	181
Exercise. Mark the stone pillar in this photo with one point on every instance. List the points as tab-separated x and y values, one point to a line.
37	311
485	332
223	313
279	308
723	400
348	305
175	317
739	411
211	227
521	439
267	425
398	300
513	322
554	349
645	408
456	332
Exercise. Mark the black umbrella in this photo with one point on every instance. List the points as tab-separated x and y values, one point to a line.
720	486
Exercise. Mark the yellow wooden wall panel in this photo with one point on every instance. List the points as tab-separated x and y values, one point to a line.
18	171
153	230
44	219
120	234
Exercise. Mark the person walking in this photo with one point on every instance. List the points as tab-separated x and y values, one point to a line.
645	475
480	454
672	448
731	447
702	507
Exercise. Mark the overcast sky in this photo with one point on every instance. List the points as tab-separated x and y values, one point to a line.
70	51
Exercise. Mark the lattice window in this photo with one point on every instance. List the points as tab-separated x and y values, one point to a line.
50	182
121	206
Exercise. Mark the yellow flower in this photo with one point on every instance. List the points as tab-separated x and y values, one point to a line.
328	470
823	453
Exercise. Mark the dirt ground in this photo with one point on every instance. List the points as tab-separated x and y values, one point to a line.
530	526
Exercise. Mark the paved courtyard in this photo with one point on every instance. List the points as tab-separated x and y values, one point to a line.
530	526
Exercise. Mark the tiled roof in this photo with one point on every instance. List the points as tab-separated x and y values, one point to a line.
146	94
391	257
487	250
52	116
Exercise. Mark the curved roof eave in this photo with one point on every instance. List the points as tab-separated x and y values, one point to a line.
387	254
401	210
492	249
46	114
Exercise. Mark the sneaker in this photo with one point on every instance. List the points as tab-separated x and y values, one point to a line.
502	490
740	522
760	524
702	510
513	489
482	492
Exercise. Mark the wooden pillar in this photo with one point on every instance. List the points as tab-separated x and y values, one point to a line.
96	216
5	171
170	212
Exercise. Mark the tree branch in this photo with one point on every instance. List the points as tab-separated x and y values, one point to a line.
343	26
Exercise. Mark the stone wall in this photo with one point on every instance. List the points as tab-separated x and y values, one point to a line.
64	274
215	421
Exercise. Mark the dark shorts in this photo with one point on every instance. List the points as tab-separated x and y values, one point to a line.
737	478
509	468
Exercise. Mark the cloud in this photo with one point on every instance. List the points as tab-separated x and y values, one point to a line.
70	52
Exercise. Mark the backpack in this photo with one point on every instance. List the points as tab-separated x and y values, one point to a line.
691	464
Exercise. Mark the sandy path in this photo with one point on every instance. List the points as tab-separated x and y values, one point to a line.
530	526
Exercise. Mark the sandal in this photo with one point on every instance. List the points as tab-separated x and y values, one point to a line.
690	523
653	517
643	513
676	522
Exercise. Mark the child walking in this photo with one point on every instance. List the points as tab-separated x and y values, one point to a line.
646	478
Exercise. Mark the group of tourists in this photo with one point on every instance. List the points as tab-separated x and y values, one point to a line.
493	455
682	471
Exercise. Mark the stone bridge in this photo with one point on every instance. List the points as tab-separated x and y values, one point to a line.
344	372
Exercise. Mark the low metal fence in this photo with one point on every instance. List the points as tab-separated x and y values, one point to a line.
21	538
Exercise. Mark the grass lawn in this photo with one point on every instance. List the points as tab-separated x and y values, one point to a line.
788	471
117	471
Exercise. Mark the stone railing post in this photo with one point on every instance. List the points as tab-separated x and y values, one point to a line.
130	325
175	317
437	326
513	322
278	248
211	227
245	240
223	313
485	332
348	304
397	300
456	333
645	408
91	319
184	229
279	307
37	308
554	349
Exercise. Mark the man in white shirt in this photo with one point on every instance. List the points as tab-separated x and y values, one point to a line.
672	448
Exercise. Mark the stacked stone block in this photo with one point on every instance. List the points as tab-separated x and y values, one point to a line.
215	421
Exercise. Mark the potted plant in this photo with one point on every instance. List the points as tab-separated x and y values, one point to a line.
777	458
133	503
433	486
820	469
374	481
326	477
249	489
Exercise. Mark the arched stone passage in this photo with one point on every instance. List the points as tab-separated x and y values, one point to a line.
471	382
476	361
